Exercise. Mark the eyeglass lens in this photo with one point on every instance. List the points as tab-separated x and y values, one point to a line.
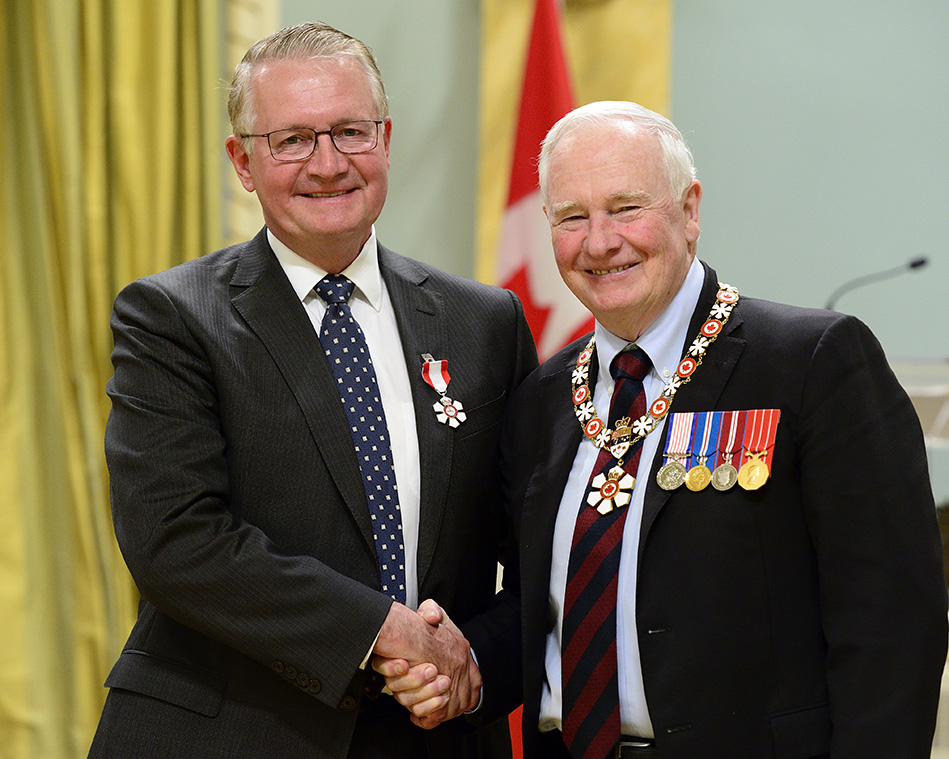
300	142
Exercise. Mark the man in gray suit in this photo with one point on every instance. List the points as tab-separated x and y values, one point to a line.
243	510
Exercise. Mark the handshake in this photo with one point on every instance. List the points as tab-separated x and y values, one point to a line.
427	664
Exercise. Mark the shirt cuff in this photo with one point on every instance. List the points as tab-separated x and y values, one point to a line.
480	692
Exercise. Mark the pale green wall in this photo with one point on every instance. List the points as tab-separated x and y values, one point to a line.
428	53
818	130
817	127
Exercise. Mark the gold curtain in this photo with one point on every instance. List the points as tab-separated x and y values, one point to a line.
616	50
111	129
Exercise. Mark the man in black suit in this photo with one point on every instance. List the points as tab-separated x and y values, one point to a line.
775	590
243	511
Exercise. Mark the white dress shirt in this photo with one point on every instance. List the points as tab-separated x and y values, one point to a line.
372	308
662	342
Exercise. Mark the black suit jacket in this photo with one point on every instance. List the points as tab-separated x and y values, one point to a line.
802	619
239	508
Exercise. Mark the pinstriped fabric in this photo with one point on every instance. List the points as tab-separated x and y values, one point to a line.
349	358
591	723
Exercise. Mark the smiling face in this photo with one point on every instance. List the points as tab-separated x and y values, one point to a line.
322	208
622	242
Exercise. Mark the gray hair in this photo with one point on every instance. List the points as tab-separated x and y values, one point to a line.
300	42
676	156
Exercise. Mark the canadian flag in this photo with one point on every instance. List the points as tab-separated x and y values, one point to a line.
525	262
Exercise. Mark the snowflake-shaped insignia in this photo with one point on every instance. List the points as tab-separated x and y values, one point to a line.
608	494
585	411
698	346
643	426
449	412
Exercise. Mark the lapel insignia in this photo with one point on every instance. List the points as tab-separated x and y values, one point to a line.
435	374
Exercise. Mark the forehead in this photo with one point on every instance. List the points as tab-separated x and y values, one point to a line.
603	159
302	91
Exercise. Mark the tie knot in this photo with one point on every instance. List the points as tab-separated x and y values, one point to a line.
630	363
334	289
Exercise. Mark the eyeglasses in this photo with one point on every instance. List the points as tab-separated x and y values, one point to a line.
299	143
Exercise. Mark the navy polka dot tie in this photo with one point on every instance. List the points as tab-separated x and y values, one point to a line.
348	356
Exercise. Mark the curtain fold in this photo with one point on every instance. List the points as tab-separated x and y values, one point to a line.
112	148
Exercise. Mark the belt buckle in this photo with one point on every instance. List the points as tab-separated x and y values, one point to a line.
643	743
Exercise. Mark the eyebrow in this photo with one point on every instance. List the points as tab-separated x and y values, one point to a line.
559	210
562	209
623	197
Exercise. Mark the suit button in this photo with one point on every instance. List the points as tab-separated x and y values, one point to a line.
348	704
314	686
277	667
290	673
302	680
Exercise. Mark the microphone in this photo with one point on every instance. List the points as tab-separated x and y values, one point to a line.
915	263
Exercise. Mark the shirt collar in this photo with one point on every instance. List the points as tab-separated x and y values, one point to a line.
663	339
362	272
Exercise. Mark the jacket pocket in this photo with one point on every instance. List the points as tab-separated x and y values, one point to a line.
483	417
802	733
168	681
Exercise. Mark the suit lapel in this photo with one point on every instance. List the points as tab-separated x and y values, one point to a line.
703	390
262	295
420	314
556	449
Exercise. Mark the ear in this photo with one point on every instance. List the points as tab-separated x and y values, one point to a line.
386	137
690	208
240	158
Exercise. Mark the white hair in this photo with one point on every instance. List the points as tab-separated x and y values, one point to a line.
676	156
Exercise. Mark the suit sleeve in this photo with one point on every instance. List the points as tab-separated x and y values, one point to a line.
188	549
496	635
869	508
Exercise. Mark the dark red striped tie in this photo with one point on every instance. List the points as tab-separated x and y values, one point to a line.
591	723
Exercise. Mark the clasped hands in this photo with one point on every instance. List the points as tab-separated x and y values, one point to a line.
427	664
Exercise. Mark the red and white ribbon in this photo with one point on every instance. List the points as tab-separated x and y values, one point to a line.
760	432
435	374
679	442
728	435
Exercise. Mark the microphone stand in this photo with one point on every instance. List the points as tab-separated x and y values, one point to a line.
868	278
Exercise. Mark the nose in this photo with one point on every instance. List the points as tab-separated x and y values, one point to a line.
602	237
326	160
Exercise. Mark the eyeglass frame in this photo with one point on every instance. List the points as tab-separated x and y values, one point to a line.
316	139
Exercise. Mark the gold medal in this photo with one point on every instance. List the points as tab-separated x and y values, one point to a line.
699	475
698	478
754	472
724	477
760	434
670	475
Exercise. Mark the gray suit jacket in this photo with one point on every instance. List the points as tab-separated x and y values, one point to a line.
239	508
